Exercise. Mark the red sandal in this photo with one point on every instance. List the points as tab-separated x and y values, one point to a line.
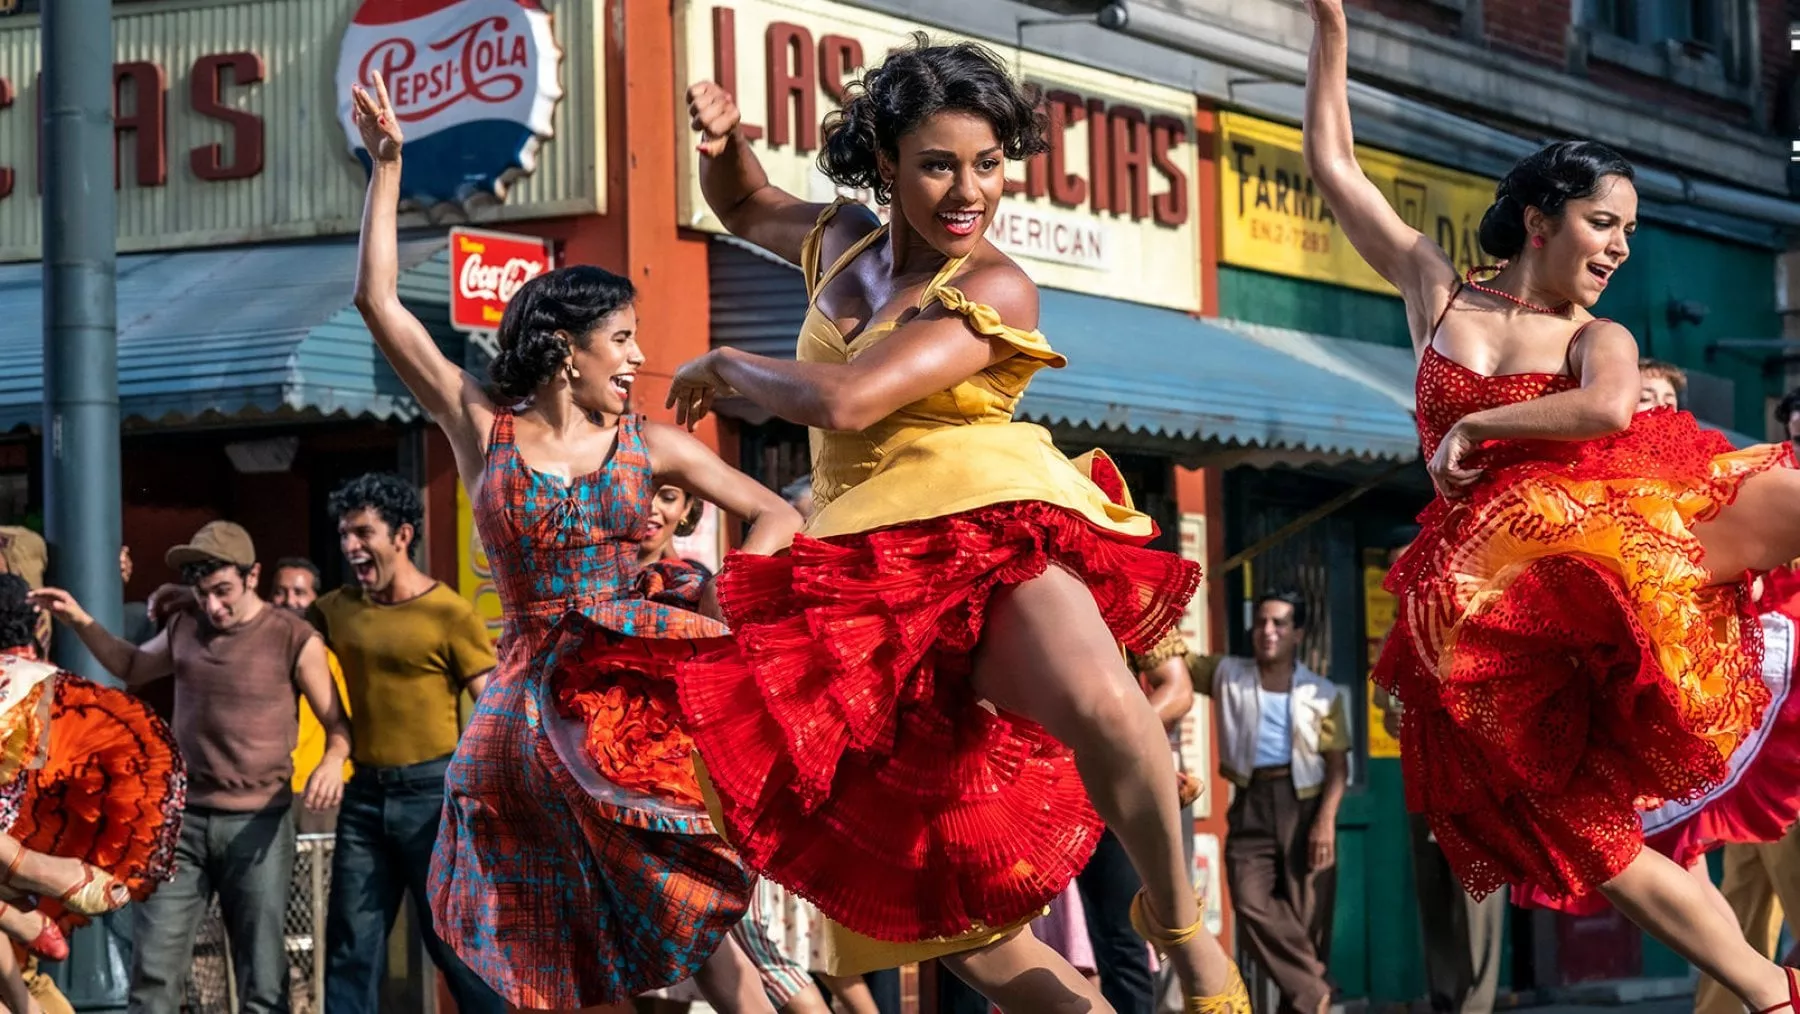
1793	1000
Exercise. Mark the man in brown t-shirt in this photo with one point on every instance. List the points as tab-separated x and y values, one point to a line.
237	663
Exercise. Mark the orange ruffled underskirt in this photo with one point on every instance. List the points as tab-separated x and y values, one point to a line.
1563	656
110	792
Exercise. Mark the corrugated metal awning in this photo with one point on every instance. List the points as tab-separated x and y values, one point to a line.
1143	370
231	333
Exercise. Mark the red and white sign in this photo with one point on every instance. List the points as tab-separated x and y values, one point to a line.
486	269
474	84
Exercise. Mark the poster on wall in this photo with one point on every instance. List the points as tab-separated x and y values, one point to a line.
1379	606
474	576
1273	219
1208	864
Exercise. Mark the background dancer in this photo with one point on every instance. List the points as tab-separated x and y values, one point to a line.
956	560
575	865
92	798
1528	745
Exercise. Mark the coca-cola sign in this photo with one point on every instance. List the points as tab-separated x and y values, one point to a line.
474	83
486	269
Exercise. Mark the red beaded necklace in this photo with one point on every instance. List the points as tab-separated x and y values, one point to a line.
1469	280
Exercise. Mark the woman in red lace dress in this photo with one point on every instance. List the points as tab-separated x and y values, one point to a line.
575	865
1575	636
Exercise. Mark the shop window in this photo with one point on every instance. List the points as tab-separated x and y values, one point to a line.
1706	45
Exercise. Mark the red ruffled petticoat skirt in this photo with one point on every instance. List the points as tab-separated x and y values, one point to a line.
853	762
1758	801
110	793
1563	657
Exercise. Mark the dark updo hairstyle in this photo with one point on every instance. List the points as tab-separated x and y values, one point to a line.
913	84
1548	179
573	300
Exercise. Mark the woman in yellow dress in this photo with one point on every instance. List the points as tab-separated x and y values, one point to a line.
917	702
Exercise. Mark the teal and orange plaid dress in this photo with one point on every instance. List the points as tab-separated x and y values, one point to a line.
576	865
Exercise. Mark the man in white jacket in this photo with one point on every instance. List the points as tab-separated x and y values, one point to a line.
1283	737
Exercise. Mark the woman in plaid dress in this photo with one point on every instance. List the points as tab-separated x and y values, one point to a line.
576	865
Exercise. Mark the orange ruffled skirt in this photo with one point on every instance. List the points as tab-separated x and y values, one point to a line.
110	792
852	761
1562	657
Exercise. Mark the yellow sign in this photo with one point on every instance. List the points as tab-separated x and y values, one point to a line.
1380	606
1110	210
1273	219
474	577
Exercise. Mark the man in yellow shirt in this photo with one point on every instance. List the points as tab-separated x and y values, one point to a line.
296	589
410	647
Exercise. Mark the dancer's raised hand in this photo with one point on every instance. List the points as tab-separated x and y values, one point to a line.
714	113
376	121
692	391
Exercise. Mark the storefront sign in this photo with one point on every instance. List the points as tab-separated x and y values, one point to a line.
486	268
1274	220
229	125
474	84
1110	210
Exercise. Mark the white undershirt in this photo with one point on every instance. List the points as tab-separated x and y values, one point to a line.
1274	735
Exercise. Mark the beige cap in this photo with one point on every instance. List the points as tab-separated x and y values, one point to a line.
24	553
218	540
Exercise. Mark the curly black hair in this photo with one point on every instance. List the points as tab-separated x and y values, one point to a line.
393	499
572	300
1547	179
913	84
18	617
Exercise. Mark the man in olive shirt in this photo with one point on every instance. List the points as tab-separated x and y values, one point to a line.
409	647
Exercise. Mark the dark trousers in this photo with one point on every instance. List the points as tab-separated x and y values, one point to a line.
1462	936
386	828
1284	907
1107	885
248	860
884	987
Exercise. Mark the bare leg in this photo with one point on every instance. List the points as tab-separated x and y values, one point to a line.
1023	975
1760	530
729	982
32	929
1669	903
54	876
1714	896
1046	654
13	991
851	993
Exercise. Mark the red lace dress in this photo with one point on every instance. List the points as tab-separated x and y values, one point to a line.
1562	658
1760	798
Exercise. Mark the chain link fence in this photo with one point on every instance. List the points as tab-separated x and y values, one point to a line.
212	986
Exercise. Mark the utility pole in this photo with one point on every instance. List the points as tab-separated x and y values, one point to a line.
81	389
